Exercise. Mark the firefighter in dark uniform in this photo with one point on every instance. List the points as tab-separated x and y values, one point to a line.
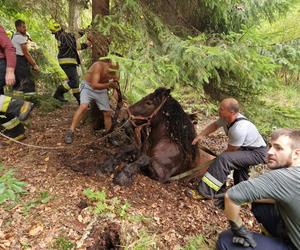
12	111
68	60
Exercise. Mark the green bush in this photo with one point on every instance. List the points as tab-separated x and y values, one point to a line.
10	188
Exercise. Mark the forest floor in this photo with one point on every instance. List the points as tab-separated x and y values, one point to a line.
53	214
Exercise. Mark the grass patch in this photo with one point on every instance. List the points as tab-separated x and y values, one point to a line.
62	243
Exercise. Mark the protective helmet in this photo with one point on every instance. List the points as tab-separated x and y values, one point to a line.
9	33
54	26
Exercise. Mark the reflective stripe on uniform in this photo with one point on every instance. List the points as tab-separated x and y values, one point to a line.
212	182
25	107
11	124
29	93
66	86
4	103
18	93
75	90
67	61
20	137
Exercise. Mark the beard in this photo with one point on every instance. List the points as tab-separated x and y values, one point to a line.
284	164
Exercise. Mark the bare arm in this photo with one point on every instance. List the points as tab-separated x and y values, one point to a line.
231	148
208	130
95	78
10	76
29	57
232	211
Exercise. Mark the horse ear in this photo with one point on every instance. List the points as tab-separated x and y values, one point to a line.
168	91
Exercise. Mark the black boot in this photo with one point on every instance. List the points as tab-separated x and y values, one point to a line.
77	96
59	93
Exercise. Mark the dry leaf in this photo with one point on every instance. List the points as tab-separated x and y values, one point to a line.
36	230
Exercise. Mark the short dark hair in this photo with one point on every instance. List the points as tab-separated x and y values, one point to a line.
19	22
293	134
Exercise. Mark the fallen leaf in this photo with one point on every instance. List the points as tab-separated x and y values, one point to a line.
36	230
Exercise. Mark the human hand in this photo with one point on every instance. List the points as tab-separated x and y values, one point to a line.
113	85
36	68
219	202
10	77
241	236
197	138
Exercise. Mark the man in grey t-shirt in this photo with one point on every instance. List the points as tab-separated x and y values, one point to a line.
245	148
277	199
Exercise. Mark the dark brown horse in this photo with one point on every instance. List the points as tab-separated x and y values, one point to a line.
163	134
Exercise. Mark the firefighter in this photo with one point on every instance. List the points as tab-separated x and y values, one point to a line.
246	147
68	60
12	111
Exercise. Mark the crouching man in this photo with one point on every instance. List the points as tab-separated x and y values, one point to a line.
101	76
275	198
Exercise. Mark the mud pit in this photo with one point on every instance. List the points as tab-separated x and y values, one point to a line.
174	218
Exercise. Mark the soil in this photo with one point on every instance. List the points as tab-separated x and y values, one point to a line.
173	218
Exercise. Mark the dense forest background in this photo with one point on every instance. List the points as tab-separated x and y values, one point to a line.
208	49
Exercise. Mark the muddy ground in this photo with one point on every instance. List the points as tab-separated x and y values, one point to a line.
170	218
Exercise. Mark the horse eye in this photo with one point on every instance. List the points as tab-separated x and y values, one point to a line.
148	103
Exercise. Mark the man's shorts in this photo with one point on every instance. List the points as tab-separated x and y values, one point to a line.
88	94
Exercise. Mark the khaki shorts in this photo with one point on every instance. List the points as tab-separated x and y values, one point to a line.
88	94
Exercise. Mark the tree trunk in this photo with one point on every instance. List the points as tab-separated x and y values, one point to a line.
100	48
74	15
100	42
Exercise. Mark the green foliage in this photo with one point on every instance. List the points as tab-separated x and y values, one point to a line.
154	56
106	206
10	188
62	243
43	199
145	241
198	242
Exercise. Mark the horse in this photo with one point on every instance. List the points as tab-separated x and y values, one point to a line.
163	134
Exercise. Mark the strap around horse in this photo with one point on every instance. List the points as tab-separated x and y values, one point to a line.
191	171
132	117
138	129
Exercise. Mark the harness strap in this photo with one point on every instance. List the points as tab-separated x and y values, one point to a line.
191	171
236	120
138	128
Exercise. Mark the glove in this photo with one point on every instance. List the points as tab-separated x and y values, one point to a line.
241	236
219	203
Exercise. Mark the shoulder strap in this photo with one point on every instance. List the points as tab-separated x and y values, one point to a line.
236	120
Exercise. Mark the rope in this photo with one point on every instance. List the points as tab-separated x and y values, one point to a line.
60	147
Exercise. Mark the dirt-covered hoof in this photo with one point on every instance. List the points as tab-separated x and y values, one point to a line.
122	178
109	166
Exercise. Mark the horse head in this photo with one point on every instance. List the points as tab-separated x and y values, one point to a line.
150	104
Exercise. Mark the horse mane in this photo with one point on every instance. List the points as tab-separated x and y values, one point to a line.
179	126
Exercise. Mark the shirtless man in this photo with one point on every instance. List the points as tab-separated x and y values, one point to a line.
101	76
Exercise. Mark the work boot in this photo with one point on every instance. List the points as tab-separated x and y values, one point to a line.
194	194
59	93
77	97
25	111
69	137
